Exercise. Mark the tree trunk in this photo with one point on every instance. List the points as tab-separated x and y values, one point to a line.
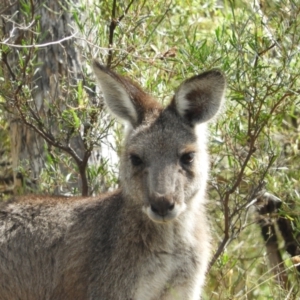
53	64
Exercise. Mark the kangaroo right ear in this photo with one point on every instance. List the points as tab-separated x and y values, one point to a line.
123	97
199	98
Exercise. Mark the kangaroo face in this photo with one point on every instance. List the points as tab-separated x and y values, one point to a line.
160	165
164	163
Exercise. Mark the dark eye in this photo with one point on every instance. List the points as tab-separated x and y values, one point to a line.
187	158
135	160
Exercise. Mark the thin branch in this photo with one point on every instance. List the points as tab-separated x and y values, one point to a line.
7	8
158	23
40	45
112	27
126	10
48	137
113	24
253	137
5	61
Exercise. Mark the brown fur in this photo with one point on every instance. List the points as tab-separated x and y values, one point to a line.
147	240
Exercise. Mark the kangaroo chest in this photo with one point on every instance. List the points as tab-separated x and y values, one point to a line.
162	266
162	273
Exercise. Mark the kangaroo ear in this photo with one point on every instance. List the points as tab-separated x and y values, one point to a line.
123	97
199	98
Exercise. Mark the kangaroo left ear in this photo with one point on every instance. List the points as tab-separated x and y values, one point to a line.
124	98
199	98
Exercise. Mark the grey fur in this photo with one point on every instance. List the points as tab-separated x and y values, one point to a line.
148	240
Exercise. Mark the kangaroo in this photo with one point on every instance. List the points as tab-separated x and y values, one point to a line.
149	239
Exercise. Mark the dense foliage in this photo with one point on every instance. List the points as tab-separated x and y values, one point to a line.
255	144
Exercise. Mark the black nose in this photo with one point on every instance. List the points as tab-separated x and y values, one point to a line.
162	207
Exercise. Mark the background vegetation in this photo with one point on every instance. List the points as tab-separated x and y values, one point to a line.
254	186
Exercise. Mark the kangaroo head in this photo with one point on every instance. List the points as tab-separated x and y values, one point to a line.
164	164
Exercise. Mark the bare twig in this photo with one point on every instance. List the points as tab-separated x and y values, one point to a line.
39	45
113	24
7	8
